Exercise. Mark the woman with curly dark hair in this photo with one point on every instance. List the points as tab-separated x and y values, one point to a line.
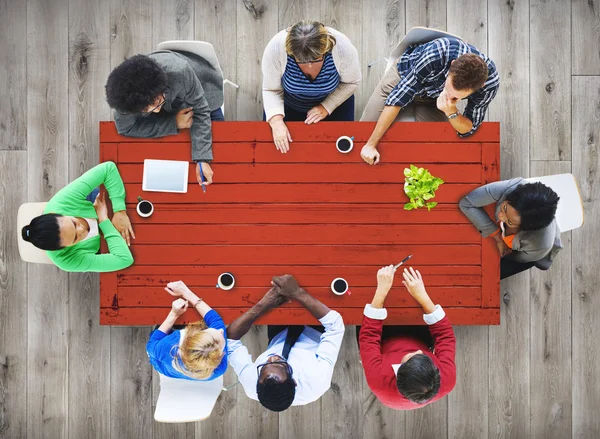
163	92
524	226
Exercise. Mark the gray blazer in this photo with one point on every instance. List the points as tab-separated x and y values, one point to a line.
530	246
191	82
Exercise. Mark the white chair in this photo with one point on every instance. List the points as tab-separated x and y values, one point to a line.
416	35
202	49
27	251
569	212
185	400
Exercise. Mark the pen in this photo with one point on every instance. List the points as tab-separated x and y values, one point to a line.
403	261
202	177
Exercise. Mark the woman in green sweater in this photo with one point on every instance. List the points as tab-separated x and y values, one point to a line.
69	228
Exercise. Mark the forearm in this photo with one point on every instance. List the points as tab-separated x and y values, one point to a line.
387	117
462	124
240	326
167	325
426	303
379	299
314	306
199	305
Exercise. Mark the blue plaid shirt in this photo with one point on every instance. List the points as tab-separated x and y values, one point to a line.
423	71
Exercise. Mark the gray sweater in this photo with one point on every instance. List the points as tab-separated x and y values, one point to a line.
191	82
528	246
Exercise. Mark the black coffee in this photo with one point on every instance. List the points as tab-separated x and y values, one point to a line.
340	286
344	145
227	280
145	207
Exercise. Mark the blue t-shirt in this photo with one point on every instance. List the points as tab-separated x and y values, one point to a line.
160	349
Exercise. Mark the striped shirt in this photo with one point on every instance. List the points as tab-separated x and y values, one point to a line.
423	71
302	94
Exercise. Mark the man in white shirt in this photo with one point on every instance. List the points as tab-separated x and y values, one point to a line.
297	367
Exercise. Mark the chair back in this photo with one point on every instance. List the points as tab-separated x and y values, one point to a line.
182	400
27	251
201	48
416	35
569	212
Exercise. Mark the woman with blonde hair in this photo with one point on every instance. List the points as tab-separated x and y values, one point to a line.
197	352
310	73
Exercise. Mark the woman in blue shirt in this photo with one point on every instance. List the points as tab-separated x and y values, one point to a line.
198	352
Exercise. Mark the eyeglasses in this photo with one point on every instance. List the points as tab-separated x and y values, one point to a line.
158	106
290	371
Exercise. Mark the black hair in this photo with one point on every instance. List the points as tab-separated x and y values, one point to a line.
43	232
418	379
536	204
135	84
276	395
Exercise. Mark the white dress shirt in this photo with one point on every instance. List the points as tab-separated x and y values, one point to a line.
312	358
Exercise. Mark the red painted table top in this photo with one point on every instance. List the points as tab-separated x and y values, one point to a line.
314	213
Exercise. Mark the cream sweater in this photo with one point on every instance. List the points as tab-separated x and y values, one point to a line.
345	58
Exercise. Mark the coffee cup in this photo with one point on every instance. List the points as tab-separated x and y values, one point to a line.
144	208
339	286
344	144
226	281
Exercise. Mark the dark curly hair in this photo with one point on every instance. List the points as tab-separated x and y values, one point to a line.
418	379
135	84
536	204
276	395
469	72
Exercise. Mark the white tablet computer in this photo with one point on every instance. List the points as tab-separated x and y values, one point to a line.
165	176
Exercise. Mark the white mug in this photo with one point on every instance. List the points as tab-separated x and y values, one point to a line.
142	203
350	141
339	279
226	281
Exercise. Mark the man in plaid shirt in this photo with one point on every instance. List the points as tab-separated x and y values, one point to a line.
434	76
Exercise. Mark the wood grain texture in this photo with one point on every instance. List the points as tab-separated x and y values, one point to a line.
468	19
550	104
162	429
585	275
172	20
585	38
13	75
427	13
89	345
551	339
47	161
215	22
13	299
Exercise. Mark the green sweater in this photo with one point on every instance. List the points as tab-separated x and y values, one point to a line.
70	201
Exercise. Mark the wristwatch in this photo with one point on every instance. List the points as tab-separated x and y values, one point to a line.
453	115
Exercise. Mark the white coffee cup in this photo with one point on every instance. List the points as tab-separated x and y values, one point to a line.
226	281
339	286
144	208
345	140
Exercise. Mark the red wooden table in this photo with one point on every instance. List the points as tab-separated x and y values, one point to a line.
314	213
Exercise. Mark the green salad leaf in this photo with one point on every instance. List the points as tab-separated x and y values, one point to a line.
420	187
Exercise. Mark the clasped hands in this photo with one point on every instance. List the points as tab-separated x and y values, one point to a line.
284	289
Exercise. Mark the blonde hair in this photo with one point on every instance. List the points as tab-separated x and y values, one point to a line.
308	41
199	354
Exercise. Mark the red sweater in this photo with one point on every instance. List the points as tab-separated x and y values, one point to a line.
377	359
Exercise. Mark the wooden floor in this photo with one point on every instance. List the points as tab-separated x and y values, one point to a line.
62	375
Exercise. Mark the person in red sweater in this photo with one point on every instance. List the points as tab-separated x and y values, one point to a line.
401	370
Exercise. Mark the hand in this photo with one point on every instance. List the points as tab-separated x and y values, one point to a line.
503	248
273	299
184	118
100	206
207	171
179	307
448	106
281	135
385	279
414	284
316	114
123	225
177	289
370	154
287	286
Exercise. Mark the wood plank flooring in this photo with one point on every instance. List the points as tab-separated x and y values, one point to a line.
63	376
